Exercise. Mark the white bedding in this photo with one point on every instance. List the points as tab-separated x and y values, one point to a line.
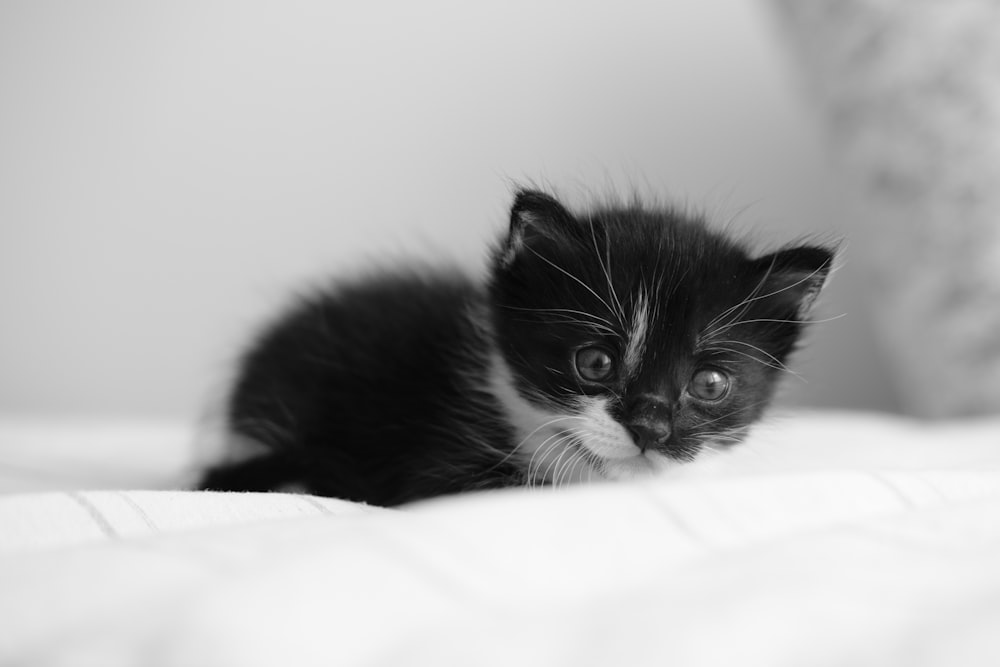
832	539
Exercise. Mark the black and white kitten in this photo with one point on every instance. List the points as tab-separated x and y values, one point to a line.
602	345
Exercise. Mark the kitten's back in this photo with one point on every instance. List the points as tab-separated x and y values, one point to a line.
354	387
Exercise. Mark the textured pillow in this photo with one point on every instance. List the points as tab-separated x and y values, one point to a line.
910	94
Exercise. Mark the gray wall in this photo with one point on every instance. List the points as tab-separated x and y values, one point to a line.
169	173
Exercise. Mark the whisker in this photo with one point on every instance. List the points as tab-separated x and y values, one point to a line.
544	449
725	327
594	463
558	466
516	448
781	368
552	443
583	323
749	299
562	310
580	282
606	267
767	354
576	458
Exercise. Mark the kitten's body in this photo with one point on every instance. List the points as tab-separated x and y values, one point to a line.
595	349
391	407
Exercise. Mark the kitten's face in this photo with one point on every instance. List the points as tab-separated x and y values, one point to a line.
634	339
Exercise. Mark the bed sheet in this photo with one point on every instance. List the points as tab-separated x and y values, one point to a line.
829	540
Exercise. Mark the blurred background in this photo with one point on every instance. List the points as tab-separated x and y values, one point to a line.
170	173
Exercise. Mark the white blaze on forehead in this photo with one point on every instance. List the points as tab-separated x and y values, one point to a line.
638	330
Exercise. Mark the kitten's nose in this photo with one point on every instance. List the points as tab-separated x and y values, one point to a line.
648	420
649	434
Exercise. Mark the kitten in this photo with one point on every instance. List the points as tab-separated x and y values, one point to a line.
602	345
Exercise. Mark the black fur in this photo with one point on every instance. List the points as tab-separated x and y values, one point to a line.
365	392
379	390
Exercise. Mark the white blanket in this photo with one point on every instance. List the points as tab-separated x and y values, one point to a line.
828	540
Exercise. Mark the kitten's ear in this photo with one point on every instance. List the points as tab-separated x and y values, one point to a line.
534	217
793	277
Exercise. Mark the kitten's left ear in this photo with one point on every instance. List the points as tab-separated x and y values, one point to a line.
534	218
793	277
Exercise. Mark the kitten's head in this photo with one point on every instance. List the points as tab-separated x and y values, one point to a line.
631	338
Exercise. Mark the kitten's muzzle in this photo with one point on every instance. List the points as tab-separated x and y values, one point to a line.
650	422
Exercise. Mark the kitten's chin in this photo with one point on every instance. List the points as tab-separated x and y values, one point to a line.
635	467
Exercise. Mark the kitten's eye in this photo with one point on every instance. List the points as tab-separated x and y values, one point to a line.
594	364
709	385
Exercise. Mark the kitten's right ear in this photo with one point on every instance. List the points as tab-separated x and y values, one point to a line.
793	277
534	218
